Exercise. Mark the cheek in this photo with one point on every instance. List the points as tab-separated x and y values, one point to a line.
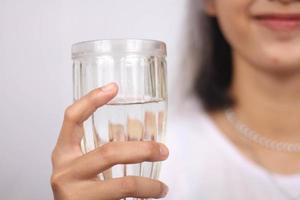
234	23
257	46
232	16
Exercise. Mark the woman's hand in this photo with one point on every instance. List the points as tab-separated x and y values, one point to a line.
74	175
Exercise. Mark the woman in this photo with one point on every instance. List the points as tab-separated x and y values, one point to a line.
248	80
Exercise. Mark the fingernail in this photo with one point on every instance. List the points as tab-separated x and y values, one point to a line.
163	150
108	88
165	191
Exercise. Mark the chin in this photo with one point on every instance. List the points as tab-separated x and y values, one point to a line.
281	62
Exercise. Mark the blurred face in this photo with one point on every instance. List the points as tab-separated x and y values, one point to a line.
265	33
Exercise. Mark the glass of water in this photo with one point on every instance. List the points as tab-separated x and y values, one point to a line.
139	111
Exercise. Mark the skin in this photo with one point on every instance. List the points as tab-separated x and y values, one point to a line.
266	79
266	86
74	175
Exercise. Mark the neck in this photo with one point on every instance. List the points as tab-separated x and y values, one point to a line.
267	102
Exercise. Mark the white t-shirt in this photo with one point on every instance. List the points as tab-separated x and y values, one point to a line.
204	164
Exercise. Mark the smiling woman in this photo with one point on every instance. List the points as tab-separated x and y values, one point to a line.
249	84
280	22
259	30
238	137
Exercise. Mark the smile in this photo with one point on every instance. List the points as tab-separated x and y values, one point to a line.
280	22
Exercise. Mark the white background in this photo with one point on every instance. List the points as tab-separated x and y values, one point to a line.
36	73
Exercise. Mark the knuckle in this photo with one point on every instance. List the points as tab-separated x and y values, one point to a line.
60	188
94	92
90	98
128	186
69	113
152	148
60	177
57	181
107	152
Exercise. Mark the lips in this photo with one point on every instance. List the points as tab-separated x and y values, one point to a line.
280	22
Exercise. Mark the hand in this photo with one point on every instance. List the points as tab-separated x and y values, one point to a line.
74	175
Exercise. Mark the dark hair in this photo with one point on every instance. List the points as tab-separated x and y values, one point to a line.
214	63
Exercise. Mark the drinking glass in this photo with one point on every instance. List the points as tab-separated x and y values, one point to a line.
139	111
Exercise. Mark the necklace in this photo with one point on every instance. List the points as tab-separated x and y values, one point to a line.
259	139
265	142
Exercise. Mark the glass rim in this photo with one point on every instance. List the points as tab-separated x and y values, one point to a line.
113	46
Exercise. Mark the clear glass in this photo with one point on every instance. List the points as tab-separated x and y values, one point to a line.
139	111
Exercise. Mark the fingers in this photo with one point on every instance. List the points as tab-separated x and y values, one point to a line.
119	188
131	186
113	153
80	110
84	107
